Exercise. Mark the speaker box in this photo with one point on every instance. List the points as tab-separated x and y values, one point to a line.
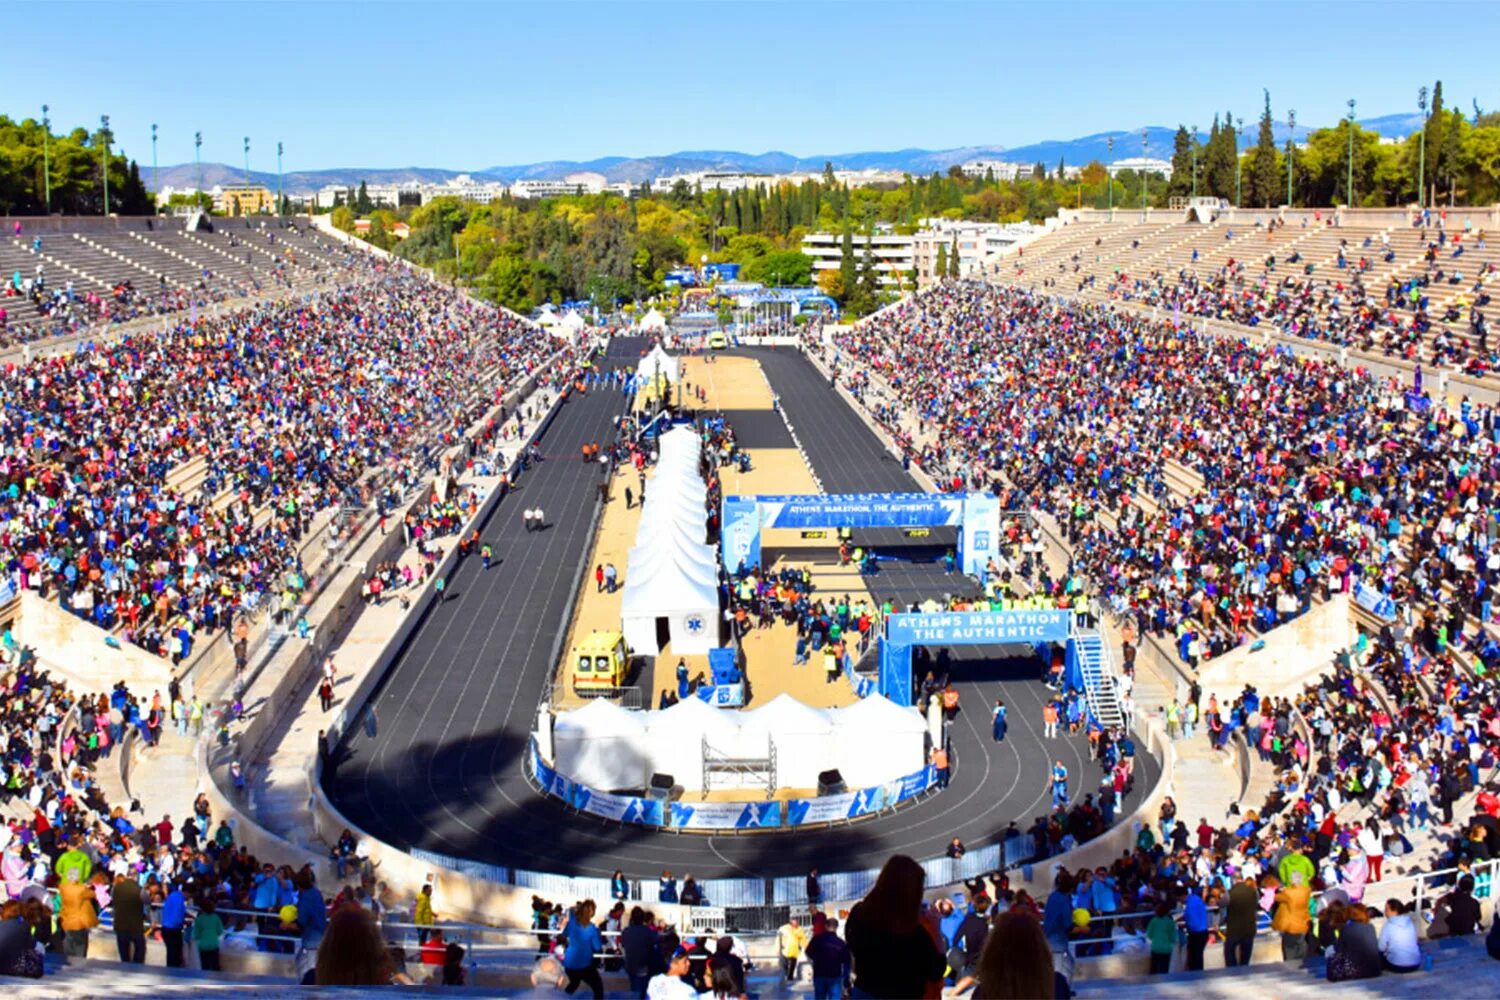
660	789
831	782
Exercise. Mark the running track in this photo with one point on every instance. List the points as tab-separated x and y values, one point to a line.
444	771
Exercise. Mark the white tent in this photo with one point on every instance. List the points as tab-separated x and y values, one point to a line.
673	514
653	320
682	440
673	579
671	552
803	738
676	737
602	746
875	740
658	360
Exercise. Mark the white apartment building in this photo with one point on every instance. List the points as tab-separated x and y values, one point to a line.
711	180
973	241
585	182
1141	164
999	169
893	255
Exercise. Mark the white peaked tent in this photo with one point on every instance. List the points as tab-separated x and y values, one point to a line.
653	320
803	737
681	441
671	553
689	605
875	740
673	514
676	737
658	360
602	746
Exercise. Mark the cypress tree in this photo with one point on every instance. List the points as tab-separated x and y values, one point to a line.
1265	181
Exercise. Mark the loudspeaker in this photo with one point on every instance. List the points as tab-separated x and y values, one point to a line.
831	782
660	788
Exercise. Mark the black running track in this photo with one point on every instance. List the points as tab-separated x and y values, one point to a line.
444	771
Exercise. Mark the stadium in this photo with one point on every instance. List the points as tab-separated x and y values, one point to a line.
888	575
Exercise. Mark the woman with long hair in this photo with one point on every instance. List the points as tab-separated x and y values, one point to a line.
352	952
1016	963
894	941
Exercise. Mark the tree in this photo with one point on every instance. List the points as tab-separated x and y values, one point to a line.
831	284
1182	162
343	219
953	259
1218	160
869	279
780	267
846	260
1265	170
940	270
1062	170
1434	129
362	203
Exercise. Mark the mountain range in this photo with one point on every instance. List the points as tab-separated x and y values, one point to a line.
1158	144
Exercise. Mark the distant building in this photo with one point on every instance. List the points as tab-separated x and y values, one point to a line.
892	251
974	242
1000	170
586	182
243	199
1141	164
710	180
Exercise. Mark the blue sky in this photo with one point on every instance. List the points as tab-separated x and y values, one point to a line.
472	85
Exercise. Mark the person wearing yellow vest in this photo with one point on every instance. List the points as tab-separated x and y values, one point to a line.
790	940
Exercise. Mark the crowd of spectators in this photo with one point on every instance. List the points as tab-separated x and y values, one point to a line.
35	306
290	407
1317	479
1270	282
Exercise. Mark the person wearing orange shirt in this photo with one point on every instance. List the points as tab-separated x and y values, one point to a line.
1049	720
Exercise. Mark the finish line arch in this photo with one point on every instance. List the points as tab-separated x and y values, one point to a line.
1035	626
976	515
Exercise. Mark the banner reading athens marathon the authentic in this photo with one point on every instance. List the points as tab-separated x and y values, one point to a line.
959	627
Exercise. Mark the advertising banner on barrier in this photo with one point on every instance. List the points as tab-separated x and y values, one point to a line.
1373	601
828	809
725	815
916	783
552	783
969	627
621	808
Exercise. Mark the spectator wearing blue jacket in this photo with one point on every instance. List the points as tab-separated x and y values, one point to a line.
582	942
1195	922
173	917
312	912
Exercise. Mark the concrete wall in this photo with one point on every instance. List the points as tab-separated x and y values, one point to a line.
1294	653
76	649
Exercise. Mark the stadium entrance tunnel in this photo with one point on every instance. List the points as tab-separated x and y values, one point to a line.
975	516
1041	629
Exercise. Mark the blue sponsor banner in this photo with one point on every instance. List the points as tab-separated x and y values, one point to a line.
957	628
726	815
827	809
861	510
914	784
740	537
867	801
1380	605
620	808
850	805
552	783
